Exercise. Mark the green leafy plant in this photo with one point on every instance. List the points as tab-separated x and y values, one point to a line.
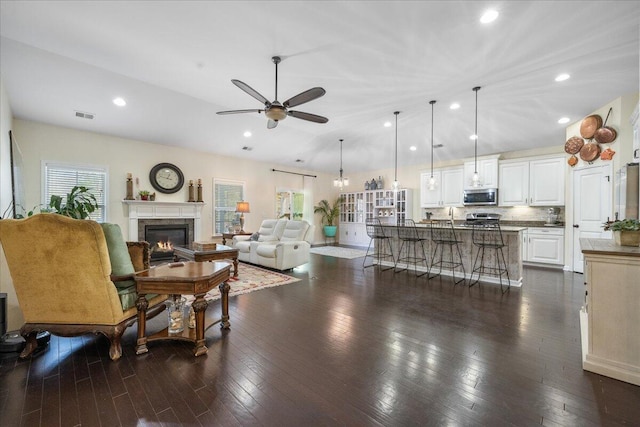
328	212
143	192
623	225
78	204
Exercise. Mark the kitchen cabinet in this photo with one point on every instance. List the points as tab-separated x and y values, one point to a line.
353	234
390	205
448	189
352	207
535	182
487	169
544	245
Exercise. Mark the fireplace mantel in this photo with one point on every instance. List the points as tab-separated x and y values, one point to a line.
142	209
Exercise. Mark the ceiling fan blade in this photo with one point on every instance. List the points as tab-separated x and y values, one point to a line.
307	116
239	111
251	91
272	124
306	96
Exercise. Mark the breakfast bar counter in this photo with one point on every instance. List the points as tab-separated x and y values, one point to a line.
511	235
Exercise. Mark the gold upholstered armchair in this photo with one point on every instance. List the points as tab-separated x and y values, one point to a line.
62	273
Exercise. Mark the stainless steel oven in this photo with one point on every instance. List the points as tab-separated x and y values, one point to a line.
480	196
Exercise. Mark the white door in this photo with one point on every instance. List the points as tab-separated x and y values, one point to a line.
592	206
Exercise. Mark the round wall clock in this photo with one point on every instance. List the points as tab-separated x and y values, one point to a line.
166	178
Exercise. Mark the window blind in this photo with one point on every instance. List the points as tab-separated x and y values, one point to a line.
60	180
226	195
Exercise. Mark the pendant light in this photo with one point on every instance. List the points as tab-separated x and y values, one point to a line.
475	180
432	180
341	182
396	184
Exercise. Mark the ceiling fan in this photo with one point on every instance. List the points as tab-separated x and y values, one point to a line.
275	111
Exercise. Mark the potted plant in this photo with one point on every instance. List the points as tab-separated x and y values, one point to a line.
625	232
329	214
79	203
144	195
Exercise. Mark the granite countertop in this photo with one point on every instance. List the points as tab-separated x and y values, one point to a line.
508	223
607	247
459	225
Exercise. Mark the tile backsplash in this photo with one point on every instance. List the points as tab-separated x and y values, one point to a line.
516	213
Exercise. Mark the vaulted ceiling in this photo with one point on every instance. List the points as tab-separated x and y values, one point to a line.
173	63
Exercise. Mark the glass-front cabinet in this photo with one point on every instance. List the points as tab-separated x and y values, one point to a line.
357	207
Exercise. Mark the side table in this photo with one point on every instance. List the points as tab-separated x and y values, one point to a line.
191	278
226	236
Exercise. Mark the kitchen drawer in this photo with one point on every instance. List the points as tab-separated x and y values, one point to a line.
556	231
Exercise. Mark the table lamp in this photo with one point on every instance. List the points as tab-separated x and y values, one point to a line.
242	207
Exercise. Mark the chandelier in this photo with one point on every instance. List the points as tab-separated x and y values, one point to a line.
475	180
341	182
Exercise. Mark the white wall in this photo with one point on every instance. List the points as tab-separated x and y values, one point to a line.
41	142
14	315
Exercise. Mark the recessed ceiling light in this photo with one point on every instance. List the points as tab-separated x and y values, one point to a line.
563	120
413	148
562	77
119	102
438	146
299	161
454	106
387	124
247	134
247	148
489	16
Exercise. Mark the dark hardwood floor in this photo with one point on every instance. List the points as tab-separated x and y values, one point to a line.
345	346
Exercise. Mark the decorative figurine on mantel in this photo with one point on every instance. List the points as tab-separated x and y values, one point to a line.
129	187
199	190
191	192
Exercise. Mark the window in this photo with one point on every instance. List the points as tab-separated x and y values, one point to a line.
225	196
59	179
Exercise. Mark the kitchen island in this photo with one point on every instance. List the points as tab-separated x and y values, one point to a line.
511	235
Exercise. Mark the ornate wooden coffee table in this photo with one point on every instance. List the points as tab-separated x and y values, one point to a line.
180	278
220	252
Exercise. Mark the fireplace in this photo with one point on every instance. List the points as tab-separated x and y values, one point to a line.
163	237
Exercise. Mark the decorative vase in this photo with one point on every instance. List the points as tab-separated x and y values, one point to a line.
627	238
330	230
380	183
373	185
366	185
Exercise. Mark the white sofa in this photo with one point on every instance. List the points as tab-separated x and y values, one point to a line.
281	244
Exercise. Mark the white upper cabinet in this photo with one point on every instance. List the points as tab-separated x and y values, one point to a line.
514	184
546	182
447	191
487	169
538	182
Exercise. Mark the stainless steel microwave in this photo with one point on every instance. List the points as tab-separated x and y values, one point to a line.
480	196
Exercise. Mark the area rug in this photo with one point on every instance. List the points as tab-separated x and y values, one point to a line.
338	252
250	278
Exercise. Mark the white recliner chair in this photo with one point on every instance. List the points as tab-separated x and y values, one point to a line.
279	243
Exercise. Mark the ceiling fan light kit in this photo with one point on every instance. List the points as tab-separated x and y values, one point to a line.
276	111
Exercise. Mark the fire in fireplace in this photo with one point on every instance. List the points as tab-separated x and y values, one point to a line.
162	239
